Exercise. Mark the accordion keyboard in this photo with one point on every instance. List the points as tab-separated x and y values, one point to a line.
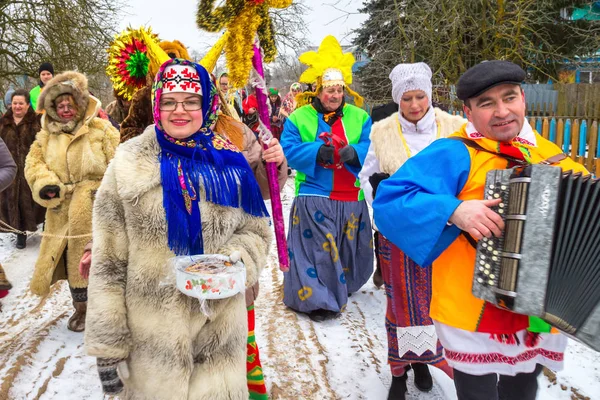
489	250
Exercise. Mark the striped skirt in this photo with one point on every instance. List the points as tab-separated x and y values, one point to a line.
410	330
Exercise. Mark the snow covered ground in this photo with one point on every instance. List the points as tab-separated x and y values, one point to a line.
339	359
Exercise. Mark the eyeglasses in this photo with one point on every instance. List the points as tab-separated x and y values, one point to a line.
68	107
188	105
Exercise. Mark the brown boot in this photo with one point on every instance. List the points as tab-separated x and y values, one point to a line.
77	321
4	283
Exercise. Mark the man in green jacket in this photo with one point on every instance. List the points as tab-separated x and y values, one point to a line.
46	72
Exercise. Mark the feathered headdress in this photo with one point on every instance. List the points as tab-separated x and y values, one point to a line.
328	66
129	60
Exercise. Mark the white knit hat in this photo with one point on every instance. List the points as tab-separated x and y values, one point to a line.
407	77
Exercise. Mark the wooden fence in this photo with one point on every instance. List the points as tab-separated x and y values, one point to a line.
576	100
578	138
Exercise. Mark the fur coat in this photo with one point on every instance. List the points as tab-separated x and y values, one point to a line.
74	157
173	351
117	111
388	146
139	116
17	207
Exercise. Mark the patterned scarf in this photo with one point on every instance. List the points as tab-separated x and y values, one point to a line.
202	160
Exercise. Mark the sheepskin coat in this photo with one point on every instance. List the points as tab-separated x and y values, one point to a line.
17	207
74	157
172	349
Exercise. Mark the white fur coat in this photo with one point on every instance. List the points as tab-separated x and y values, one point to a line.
173	351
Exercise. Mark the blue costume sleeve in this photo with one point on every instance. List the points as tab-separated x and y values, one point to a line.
362	147
413	206
300	156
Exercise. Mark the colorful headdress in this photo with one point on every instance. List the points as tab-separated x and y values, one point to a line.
273	92
328	66
201	161
183	76
129	60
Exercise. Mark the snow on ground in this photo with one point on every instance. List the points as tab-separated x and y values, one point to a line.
338	359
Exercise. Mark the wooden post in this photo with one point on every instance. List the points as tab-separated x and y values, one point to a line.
545	128
560	131
575	138
593	149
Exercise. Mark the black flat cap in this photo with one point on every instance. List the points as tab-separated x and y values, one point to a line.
486	75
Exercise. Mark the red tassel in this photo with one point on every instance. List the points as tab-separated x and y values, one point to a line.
532	339
505	338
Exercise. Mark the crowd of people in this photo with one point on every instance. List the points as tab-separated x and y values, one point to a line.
179	169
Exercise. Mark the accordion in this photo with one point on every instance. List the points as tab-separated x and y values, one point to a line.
547	261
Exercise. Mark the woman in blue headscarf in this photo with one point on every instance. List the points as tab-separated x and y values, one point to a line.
179	188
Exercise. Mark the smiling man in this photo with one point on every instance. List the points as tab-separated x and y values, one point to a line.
435	197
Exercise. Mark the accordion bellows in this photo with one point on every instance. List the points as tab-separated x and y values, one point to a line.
547	262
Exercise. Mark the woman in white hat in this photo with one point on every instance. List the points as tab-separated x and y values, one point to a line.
411	335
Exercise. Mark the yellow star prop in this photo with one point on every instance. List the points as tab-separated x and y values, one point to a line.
243	19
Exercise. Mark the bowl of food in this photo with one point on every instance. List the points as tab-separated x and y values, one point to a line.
209	276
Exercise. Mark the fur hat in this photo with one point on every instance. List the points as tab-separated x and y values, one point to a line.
69	82
46	66
175	49
407	77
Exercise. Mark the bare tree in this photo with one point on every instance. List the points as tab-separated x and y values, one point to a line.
72	34
290	28
285	71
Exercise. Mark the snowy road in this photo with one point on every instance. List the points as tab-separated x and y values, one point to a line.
339	359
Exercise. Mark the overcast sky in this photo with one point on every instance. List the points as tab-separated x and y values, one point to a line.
178	22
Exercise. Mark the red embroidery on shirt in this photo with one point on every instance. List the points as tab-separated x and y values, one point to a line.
491	358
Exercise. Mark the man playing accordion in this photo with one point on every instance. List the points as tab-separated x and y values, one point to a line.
436	195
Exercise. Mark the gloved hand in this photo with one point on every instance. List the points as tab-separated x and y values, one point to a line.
349	156
376	179
107	369
325	154
49	192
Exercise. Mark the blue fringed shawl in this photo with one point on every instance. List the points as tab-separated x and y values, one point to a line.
187	165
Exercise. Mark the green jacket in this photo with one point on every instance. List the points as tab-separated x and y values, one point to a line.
34	94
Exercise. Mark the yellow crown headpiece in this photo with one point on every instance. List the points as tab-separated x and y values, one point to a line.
328	66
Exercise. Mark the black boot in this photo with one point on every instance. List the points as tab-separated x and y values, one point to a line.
318	315
21	241
398	388
423	380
